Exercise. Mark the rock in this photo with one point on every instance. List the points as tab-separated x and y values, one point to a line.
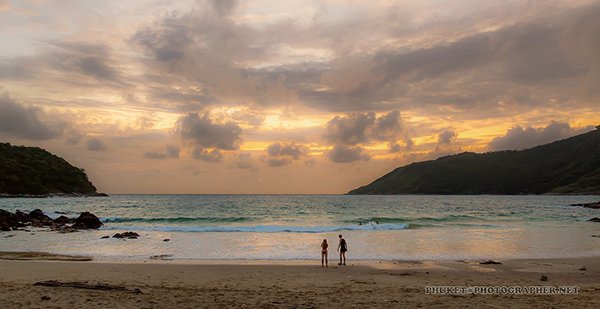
595	205
65	229
595	219
8	220
583	268
62	220
543	278
60	212
87	220
490	262
128	235
46	297
105	237
38	214
22	217
102	194
39	219
166	239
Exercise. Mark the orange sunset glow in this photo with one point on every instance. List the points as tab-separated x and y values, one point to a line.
290	96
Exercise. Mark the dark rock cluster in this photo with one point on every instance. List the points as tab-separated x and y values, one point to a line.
127	235
36	218
595	205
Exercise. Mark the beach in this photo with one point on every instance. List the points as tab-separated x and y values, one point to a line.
263	251
287	283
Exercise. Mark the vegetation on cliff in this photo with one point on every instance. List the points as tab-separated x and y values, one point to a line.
568	166
35	171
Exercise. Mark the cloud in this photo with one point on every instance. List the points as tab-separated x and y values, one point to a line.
244	161
518	138
169	152
212	156
280	154
347	132
26	121
445	144
95	144
344	154
223	7
363	128
204	132
282	149
72	63
446	137
73	137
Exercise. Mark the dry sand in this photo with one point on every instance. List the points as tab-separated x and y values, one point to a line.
289	284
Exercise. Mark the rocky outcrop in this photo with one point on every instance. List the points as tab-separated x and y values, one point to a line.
37	218
87	220
595	205
594	219
7	220
127	235
63	220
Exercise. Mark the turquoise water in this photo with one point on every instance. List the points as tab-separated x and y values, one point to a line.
289	226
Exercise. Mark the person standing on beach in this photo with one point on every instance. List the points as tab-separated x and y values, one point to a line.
324	259
342	248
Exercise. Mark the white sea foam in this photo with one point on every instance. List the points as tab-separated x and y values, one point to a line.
263	228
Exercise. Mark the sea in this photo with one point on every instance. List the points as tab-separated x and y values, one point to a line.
291	227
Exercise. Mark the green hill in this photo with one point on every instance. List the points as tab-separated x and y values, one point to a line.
568	166
34	171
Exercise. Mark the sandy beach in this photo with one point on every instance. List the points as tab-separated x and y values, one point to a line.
46	281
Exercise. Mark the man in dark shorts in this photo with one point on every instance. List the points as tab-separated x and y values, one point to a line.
342	248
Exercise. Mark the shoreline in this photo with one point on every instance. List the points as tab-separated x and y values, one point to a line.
168	259
287	284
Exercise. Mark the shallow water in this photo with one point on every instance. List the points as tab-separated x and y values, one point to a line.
292	226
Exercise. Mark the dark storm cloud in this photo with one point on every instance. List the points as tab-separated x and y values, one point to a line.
347	154
72	63
428	62
525	53
204	132
169	152
95	144
583	38
518	138
349	130
286	150
280	154
478	70
208	49
357	128
92	60
25	121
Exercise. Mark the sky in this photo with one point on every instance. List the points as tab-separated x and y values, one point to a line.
288	96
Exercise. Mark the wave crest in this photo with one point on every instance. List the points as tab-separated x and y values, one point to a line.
265	228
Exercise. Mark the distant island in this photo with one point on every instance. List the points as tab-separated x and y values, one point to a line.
32	171
569	166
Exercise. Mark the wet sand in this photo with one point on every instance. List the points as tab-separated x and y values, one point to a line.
289	284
